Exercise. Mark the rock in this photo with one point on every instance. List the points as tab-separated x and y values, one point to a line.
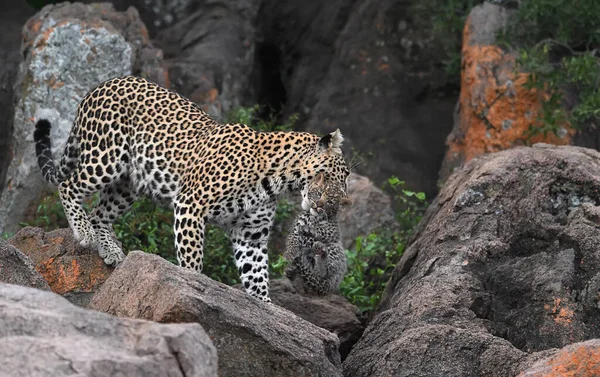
494	111
579	359
13	15
505	268
42	334
369	69
17	268
67	50
210	53
371	209
253	338
72	271
333	313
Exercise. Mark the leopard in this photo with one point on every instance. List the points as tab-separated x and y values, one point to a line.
314	251
131	138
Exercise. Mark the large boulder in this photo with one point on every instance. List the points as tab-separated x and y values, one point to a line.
371	210
17	268
370	69
67	49
13	15
495	109
579	359
42	334
71	270
505	268
253	338
333	312
210	52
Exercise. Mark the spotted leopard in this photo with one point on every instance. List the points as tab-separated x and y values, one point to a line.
314	247
132	137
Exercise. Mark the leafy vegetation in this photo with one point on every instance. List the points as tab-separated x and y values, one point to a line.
374	257
557	42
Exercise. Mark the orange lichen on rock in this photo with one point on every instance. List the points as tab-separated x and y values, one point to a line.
61	262
495	109
581	361
577	360
66	276
561	311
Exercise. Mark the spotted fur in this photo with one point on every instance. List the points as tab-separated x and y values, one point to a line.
314	247
132	137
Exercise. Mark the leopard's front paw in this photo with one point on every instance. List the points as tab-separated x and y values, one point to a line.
114	258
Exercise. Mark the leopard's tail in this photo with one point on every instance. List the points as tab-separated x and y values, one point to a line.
43	150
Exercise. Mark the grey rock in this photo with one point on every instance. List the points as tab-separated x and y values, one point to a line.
42	334
13	15
253	338
333	312
17	268
371	210
369	69
487	20
498	280
68	49
210	53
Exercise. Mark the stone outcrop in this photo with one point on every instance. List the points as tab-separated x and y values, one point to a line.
13	15
370	69
72	271
253	338
575	360
42	334
505	269
495	109
333	313
67	49
17	268
210	53
371	210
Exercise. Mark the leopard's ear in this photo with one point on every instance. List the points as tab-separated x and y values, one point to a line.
320	179
332	142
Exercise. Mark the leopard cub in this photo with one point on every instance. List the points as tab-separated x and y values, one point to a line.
317	262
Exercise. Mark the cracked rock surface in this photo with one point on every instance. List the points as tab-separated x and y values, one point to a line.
504	271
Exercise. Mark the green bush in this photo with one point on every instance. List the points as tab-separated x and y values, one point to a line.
374	257
557	42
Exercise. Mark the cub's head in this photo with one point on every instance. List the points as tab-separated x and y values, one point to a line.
326	196
329	160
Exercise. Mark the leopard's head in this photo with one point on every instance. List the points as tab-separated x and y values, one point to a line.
330	169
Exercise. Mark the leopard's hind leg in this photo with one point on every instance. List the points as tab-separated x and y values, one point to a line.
114	201
72	192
